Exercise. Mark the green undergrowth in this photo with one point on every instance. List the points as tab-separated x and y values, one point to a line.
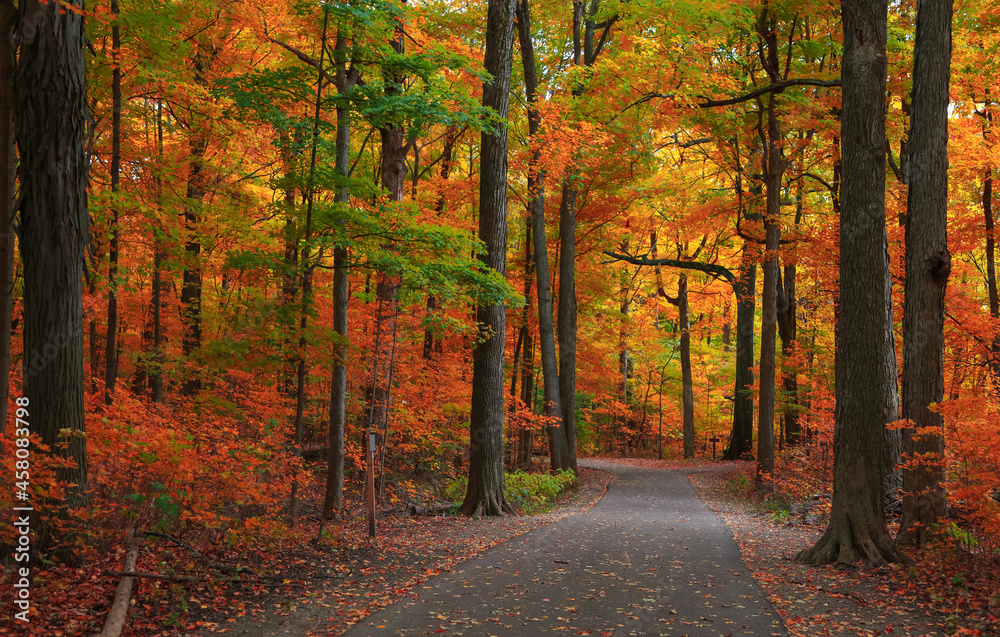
527	492
775	505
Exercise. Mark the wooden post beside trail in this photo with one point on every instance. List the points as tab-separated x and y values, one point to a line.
370	491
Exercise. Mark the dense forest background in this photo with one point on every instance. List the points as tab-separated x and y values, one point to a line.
286	251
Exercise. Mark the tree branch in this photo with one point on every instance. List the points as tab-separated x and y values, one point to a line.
774	87
717	271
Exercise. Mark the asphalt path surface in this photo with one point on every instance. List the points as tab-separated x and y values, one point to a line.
649	559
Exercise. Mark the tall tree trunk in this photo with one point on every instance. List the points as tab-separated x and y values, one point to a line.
991	277
787	329
159	285
741	438
290	263
567	319
485	494
110	353
52	132
928	265
334	499
393	177
686	381
525	369
306	269
867	399
558	453
527	391
773	167
768	327
8	162
191	287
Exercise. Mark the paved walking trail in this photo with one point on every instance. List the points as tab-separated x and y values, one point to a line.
649	559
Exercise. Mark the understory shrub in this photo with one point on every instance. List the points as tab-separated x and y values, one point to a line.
526	492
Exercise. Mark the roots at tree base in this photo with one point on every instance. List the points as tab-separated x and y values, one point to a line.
847	540
484	505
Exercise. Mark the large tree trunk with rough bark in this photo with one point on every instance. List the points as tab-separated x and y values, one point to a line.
741	438
687	383
928	265
52	133
567	319
768	330
485	494
8	161
867	399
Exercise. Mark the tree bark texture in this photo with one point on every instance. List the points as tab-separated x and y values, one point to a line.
741	438
191	287
334	497
110	352
773	166
928	265
485	495
159	285
567	318
687	382
52	132
8	162
866	399
558	452
991	275
787	329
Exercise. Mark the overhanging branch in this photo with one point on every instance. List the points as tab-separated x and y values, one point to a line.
754	94
713	269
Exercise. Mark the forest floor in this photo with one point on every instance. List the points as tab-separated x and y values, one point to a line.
324	588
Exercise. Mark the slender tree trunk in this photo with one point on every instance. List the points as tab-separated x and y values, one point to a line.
991	277
300	393
110	353
485	495
928	265
191	287
526	368
773	166
334	498
741	438
8	162
686	381
159	285
447	163
52	132
393	177
789	376
290	269
867	399
558	453
527	390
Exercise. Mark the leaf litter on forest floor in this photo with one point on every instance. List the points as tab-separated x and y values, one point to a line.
833	601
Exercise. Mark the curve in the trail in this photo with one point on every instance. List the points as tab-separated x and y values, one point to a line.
649	559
